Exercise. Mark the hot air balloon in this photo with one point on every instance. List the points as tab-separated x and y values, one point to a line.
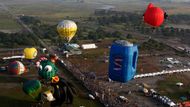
16	68
32	88
154	16
63	91
67	29
123	61
47	70
30	53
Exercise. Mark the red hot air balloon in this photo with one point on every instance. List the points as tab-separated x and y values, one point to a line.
154	16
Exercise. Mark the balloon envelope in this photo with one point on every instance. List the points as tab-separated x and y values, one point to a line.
67	29
30	53
32	88
150	5
154	16
16	68
123	61
47	70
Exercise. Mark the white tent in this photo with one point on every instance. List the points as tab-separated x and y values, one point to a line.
89	46
179	84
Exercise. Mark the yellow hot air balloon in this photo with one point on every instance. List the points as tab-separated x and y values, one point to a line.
67	29
30	53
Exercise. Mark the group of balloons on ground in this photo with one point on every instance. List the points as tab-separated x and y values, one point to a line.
49	86
55	90
17	67
153	16
61	89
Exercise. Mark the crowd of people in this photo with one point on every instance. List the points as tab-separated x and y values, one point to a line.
105	94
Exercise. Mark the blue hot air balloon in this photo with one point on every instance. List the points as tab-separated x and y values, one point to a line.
123	61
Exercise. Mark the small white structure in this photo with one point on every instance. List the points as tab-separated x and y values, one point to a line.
91	96
74	45
179	84
161	73
89	46
152	91
109	79
123	98
169	66
172	61
44	50
13	57
48	96
181	48
97	94
171	104
67	55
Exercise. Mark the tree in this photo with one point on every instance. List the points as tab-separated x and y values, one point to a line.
92	36
129	36
116	33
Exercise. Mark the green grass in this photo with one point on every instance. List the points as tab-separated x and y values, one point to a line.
168	87
95	53
7	23
58	11
85	102
14	96
12	102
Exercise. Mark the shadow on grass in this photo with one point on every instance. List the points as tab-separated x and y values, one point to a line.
11	102
11	79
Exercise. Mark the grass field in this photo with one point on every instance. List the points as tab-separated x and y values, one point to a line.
168	86
7	23
58	11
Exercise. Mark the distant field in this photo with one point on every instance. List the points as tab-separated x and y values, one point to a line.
179	26
52	11
7	23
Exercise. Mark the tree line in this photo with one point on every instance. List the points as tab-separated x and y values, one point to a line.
131	21
134	22
17	39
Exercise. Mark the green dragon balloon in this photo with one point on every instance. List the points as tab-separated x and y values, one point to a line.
47	70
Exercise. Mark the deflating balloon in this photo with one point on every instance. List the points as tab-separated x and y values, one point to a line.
32	88
154	16
67	29
30	53
63	92
16	68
